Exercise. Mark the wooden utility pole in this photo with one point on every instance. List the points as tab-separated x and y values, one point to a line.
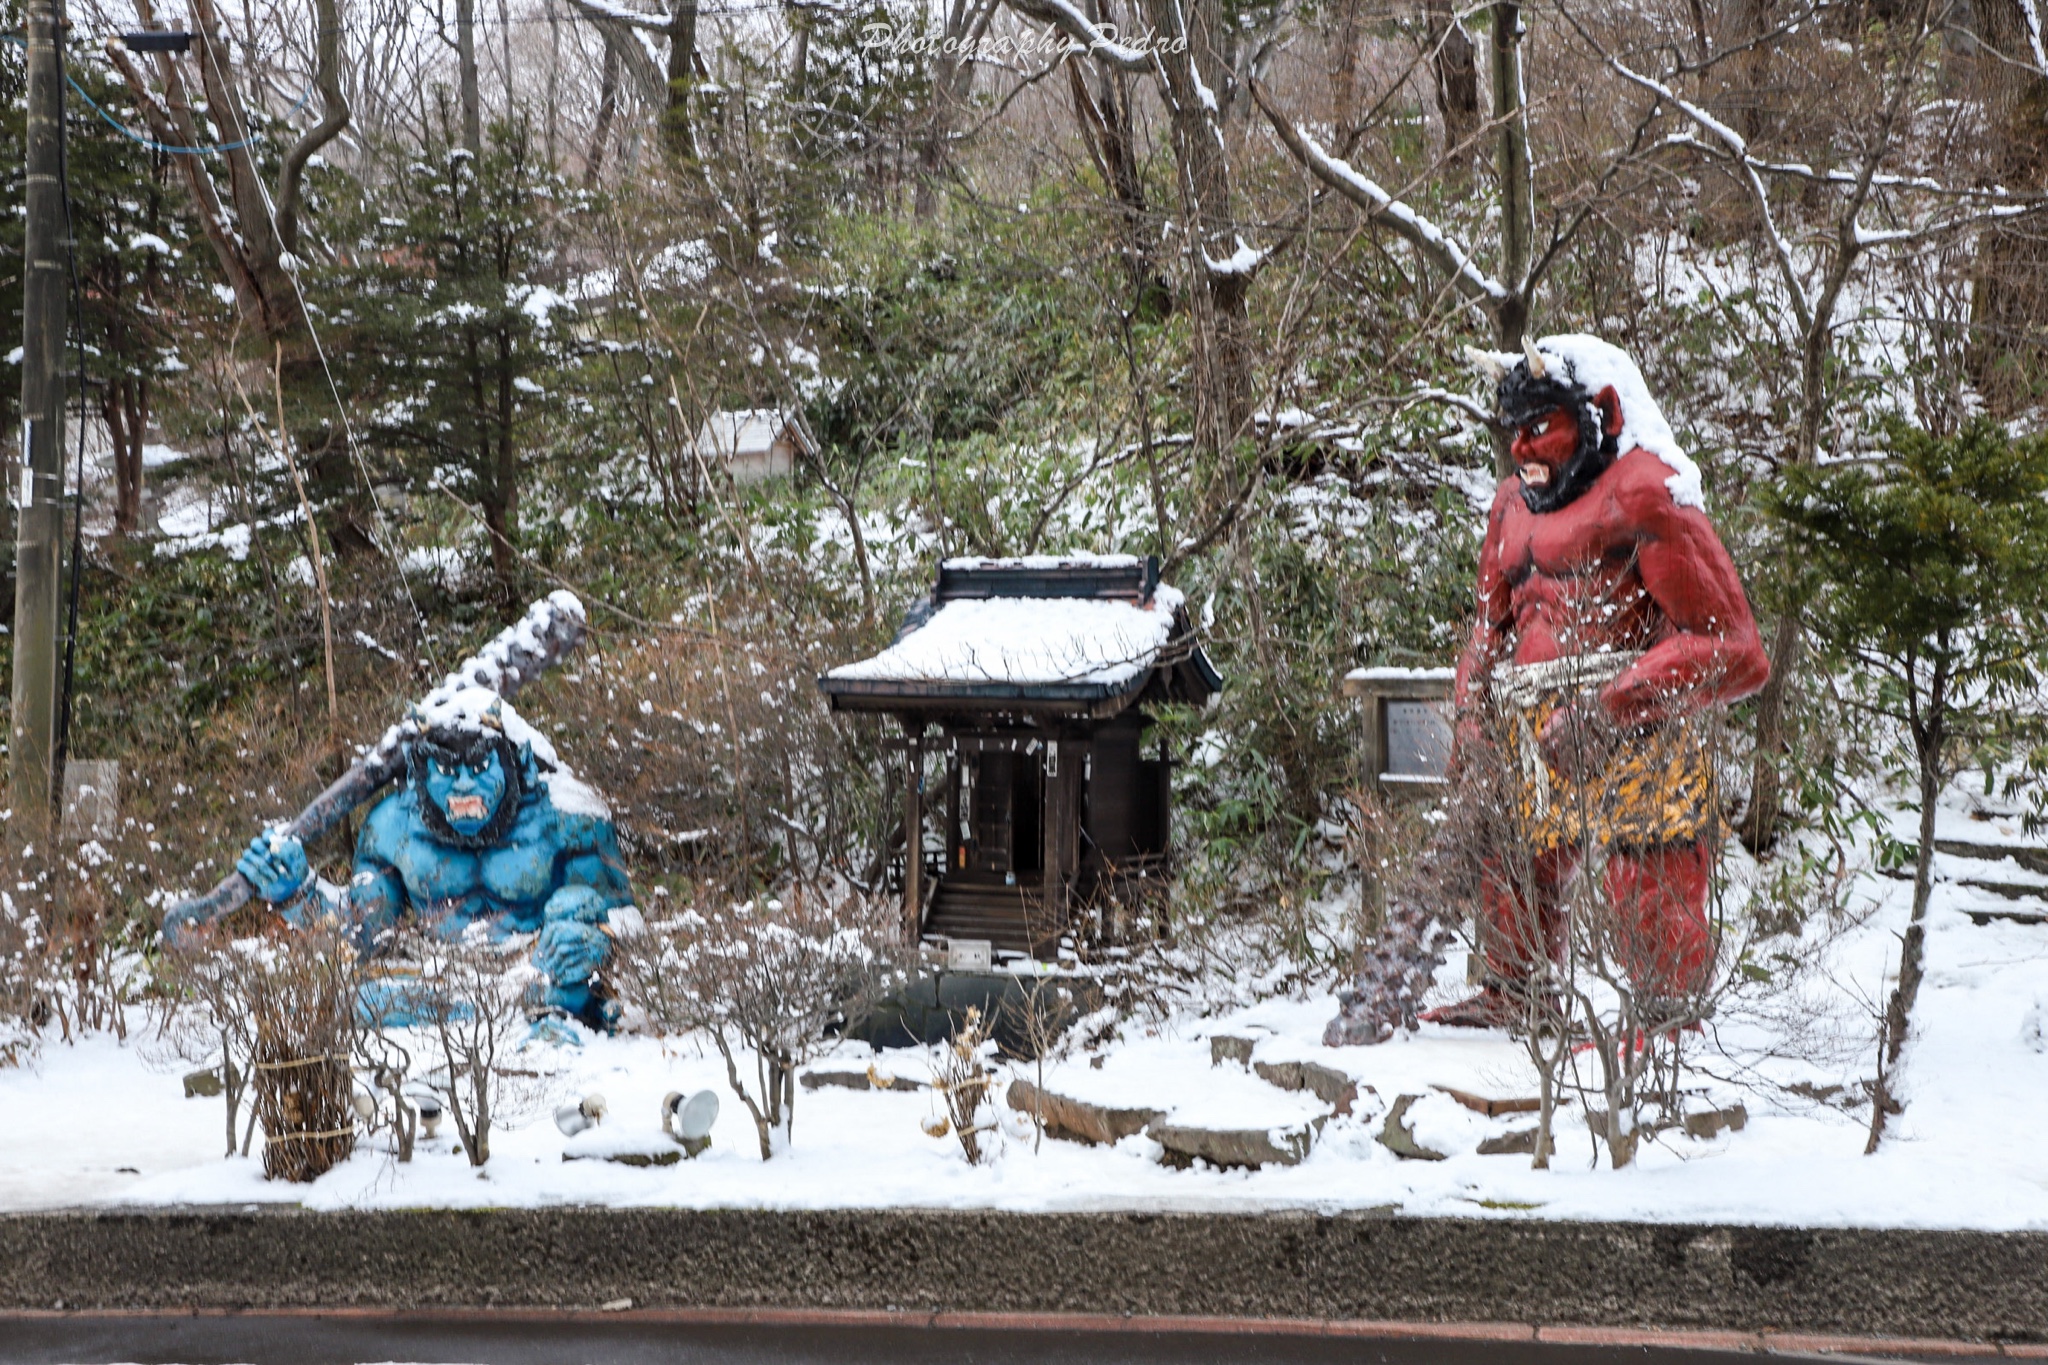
39	518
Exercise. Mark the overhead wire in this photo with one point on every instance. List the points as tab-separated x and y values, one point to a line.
149	143
334	390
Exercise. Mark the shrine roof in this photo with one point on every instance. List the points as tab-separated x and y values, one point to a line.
1061	632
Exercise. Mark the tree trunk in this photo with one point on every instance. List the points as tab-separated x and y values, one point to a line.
1517	189
465	59
253	243
607	109
2009	297
1456	68
554	81
1511	160
505	55
505	483
952	81
1222	326
1930	736
800	49
1762	821
1344	69
124	404
1106	126
682	56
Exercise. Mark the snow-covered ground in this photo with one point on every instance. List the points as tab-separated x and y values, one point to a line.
105	1123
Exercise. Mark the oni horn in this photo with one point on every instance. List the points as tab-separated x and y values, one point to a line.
1536	365
1486	362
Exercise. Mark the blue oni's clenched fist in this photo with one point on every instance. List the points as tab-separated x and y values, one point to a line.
275	864
482	829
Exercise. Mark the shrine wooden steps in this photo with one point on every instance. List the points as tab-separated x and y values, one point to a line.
1007	916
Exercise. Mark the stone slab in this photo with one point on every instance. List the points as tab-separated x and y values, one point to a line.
1078	1120
1282	1145
1327	1084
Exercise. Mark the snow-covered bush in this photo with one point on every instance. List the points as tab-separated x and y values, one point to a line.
21	964
2034	1025
771	980
961	1078
471	993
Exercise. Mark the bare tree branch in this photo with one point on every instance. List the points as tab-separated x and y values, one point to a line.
1442	251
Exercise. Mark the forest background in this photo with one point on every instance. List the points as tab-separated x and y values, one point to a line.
1185	279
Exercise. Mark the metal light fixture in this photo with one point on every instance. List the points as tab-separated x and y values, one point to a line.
157	40
688	1119
577	1115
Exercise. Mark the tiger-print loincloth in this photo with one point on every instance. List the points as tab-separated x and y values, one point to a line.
1656	787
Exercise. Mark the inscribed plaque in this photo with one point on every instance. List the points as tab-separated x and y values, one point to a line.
1418	738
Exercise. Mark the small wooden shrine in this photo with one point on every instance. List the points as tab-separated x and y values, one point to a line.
1031	804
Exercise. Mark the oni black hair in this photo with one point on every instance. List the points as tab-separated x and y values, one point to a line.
1524	397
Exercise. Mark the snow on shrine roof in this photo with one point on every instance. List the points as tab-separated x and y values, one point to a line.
1027	640
746	432
1041	627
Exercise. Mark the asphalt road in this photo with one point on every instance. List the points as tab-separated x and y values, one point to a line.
351	1340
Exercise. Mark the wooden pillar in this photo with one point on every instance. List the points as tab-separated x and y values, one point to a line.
1065	762
1053	820
913	836
952	809
1073	778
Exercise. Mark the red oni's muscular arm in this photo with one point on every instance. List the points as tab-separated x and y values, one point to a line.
1489	642
1707	649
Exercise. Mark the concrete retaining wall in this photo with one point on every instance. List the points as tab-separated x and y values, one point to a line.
1982	1286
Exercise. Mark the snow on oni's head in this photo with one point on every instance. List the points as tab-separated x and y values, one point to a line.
472	761
1569	371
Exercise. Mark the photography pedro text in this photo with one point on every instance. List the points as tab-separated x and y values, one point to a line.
996	47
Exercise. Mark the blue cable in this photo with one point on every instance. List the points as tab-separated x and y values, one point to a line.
125	131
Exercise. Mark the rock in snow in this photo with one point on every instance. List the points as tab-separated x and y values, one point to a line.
1079	1120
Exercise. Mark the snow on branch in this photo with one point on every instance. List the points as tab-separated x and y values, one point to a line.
1244	261
1480	413
2002	205
619	14
1081	29
1884	180
2032	15
1737	148
1865	237
1426	237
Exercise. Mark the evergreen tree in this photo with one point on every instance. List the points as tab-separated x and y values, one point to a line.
1929	576
451	329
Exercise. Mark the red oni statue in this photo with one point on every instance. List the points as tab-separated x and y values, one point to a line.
1609	614
1611	623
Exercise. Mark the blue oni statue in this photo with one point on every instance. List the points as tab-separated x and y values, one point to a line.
480	830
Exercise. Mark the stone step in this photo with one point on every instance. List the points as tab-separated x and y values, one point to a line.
2033	857
1007	916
